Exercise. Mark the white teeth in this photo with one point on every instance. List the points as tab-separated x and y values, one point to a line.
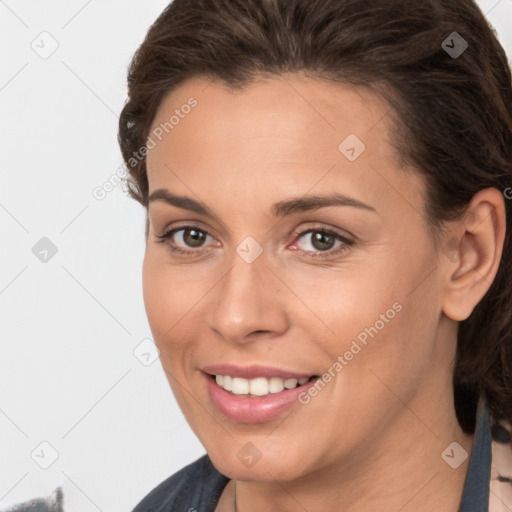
240	386
260	386
290	383
227	382
276	385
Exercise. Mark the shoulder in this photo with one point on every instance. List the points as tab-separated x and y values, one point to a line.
197	486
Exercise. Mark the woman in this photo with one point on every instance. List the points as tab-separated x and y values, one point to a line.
327	272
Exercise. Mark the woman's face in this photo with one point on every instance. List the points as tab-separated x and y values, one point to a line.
296	252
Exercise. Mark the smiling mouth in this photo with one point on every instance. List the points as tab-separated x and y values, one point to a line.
259	386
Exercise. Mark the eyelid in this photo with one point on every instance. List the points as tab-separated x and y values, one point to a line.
168	230
168	233
347	241
342	234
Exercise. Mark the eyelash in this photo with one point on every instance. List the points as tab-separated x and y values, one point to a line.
166	237
346	242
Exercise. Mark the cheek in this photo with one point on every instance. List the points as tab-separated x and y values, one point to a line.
340	303
171	296
156	301
394	341
378	316
164	309
169	306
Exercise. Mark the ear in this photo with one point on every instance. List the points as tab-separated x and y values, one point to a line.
471	253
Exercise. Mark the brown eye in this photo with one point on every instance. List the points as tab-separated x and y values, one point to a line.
322	241
193	237
186	239
318	240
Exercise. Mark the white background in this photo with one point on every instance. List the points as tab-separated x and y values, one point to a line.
69	326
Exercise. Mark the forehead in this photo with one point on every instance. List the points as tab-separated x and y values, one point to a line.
282	105
280	135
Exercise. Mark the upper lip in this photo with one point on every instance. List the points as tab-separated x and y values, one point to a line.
253	371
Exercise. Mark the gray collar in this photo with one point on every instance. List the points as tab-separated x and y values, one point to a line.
475	497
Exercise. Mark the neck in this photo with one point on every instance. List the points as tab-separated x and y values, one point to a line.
400	469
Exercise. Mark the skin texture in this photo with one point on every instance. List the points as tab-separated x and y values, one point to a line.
372	438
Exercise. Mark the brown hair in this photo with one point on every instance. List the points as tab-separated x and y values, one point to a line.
452	115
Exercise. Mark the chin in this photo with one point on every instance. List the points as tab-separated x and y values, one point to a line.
265	469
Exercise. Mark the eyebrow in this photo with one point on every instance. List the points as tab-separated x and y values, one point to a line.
307	203
187	203
280	209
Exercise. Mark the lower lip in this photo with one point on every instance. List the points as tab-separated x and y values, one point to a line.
253	409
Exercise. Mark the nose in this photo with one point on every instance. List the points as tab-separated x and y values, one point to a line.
248	304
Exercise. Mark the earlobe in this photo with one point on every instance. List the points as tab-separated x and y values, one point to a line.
472	253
